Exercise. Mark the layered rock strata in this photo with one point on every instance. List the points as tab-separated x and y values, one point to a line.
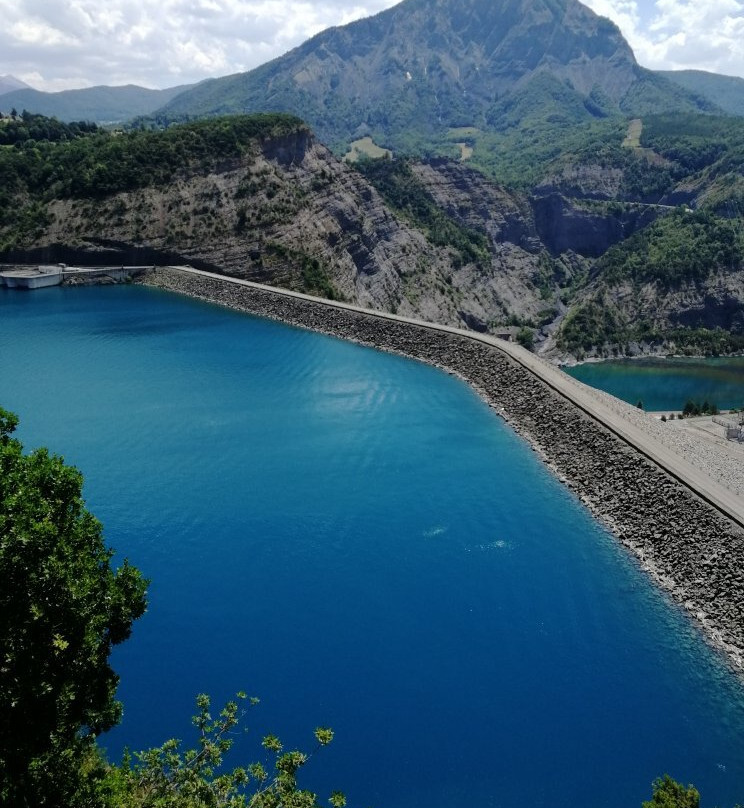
687	547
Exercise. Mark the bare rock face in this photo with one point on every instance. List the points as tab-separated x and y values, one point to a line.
713	303
471	199
564	225
523	280
583	182
288	213
665	312
426	65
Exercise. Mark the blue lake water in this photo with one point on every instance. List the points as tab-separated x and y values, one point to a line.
359	541
666	384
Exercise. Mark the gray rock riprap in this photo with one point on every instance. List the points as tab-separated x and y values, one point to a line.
691	550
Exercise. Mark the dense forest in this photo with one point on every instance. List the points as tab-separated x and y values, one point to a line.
684	246
92	163
24	128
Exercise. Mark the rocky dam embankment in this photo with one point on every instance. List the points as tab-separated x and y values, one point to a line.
689	548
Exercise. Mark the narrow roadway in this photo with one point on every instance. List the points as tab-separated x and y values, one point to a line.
576	392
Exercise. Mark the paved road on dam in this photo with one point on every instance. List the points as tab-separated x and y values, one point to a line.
574	391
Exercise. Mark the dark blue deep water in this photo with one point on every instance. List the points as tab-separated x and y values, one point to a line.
667	384
358	540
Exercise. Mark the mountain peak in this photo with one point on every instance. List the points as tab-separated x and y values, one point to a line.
428	66
9	83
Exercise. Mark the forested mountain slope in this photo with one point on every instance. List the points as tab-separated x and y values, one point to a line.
726	92
411	74
96	104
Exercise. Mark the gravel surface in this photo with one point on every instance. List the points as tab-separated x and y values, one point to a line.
693	438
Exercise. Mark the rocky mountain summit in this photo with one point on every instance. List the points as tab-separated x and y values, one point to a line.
424	67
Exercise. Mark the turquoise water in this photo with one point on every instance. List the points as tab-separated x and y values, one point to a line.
666	384
358	540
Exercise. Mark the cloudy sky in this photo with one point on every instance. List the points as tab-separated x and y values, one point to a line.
65	44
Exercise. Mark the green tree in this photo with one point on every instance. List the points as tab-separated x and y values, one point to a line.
526	338
170	777
667	793
62	609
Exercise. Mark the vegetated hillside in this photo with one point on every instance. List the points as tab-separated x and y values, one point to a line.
97	104
411	75
677	285
258	197
704	158
594	258
726	92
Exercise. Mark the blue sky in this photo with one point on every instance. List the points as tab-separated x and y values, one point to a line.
677	34
64	44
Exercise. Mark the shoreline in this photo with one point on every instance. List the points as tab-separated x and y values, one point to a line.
686	546
598	360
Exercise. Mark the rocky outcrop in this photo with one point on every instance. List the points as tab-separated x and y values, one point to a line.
587	181
475	202
565	226
266	218
425	65
687	547
713	303
290	214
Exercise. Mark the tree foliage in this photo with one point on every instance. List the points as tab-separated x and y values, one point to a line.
62	609
667	793
104	163
17	130
526	338
196	778
685	246
694	142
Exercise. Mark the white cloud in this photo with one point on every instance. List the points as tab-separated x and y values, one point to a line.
156	43
679	34
160	43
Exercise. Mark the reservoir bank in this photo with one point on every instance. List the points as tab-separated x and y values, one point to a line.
686	545
664	385
361	542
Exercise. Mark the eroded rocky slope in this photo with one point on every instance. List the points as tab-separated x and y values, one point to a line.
260	198
426	65
288	213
